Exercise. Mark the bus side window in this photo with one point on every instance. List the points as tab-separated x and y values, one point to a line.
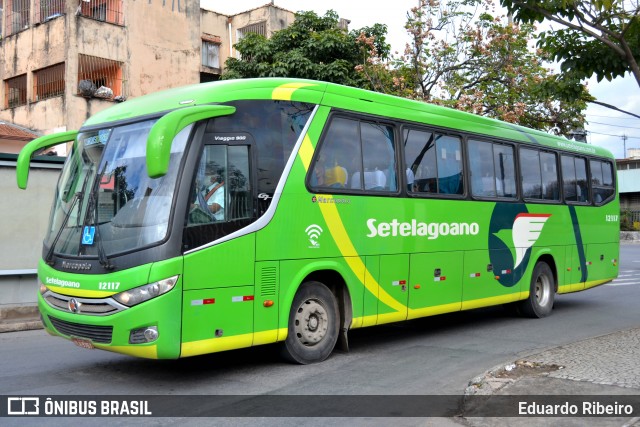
549	167
531	174
504	164
569	184
338	156
601	180
378	157
492	169
434	162
483	181
582	181
420	158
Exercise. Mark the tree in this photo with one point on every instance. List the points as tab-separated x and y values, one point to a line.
599	37
313	47
462	56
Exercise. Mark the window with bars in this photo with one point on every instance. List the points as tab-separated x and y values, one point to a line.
210	54
16	16
47	10
15	91
103	10
101	72
257	28
48	82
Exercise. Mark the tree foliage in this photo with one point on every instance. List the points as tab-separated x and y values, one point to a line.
462	56
313	47
597	37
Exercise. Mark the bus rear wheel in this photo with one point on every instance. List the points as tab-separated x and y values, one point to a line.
541	293
313	324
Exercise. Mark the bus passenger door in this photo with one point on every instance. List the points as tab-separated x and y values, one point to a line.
392	291
435	283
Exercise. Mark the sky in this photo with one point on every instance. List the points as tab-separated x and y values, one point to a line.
605	126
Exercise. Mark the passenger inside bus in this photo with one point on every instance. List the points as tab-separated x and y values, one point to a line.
214	195
336	176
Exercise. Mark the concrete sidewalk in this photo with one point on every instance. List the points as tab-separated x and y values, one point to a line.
603	367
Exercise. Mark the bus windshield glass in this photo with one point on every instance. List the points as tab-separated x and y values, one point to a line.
105	200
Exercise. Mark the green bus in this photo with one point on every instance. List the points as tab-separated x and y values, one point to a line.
238	213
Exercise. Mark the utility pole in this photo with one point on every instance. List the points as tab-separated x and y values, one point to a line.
624	145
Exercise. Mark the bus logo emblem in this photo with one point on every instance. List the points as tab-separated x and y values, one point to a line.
87	235
74	305
526	231
314	231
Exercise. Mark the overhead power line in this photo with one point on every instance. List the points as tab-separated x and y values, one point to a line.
615	136
617	126
612	117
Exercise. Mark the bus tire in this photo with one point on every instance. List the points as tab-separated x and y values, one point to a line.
313	325
541	293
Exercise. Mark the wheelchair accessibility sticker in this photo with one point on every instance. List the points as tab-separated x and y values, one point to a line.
87	235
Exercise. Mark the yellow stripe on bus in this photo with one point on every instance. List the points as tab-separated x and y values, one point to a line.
500	299
213	345
145	351
73	292
285	92
343	241
595	283
576	287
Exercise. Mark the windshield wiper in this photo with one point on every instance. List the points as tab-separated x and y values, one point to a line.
92	204
77	198
49	258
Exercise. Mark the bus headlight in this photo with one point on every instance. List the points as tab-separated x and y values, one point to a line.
144	293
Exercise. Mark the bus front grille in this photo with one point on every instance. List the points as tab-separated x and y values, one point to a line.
99	334
89	306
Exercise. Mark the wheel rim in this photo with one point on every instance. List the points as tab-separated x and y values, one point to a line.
543	290
311	322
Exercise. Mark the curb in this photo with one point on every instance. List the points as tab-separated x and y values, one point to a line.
15	318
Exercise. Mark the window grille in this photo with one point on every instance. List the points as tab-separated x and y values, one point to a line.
102	72
257	28
210	54
15	90
16	16
47	10
103	10
48	82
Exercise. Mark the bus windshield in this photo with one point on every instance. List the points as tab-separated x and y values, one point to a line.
105	200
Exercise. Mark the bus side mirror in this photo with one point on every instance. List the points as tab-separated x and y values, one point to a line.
162	133
46	141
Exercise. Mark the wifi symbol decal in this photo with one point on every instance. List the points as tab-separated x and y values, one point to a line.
314	231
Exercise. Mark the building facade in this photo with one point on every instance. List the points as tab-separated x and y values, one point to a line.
629	186
221	32
64	60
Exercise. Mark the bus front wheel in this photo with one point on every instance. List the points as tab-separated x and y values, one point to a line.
313	324
541	293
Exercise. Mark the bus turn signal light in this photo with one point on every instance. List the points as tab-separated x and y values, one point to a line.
267	303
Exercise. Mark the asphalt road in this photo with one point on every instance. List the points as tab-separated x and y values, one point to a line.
432	356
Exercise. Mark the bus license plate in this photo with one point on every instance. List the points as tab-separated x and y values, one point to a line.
83	343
